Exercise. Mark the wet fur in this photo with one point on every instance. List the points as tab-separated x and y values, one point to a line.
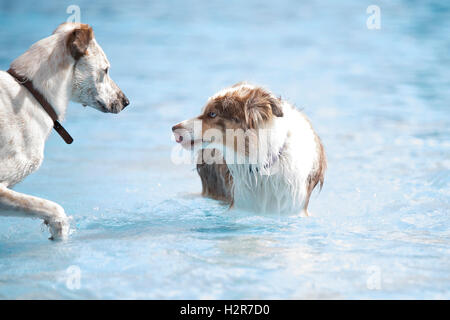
63	67
244	106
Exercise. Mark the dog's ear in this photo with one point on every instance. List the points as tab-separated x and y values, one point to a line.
260	107
78	41
276	105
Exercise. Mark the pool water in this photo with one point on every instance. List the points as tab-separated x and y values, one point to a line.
378	98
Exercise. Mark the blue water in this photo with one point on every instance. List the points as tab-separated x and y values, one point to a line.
378	98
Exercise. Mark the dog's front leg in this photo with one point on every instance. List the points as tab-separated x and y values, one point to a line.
17	204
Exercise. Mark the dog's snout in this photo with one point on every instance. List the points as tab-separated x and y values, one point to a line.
119	103
125	101
101	105
176	132
176	127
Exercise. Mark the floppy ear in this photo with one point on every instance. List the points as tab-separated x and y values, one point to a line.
78	41
275	104
260	107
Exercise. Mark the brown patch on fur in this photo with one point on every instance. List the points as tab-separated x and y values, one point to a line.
317	176
217	182
245	108
78	41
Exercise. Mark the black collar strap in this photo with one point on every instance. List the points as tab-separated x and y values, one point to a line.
44	103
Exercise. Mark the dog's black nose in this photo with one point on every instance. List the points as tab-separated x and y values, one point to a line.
125	102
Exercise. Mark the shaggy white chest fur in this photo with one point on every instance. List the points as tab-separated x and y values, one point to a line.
278	183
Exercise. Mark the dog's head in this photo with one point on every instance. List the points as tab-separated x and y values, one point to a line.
239	110
92	85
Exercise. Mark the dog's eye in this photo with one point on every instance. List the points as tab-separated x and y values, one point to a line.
212	114
106	70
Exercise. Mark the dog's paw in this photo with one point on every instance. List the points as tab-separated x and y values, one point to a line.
59	227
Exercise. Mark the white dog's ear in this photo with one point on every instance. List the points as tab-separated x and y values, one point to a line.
78	40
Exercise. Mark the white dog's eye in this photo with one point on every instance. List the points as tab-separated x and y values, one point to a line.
212	114
106	70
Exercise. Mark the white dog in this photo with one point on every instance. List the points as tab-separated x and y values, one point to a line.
34	94
273	157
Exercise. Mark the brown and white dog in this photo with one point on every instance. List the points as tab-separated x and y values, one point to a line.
256	151
67	66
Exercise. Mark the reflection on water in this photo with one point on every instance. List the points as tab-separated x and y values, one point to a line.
378	98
